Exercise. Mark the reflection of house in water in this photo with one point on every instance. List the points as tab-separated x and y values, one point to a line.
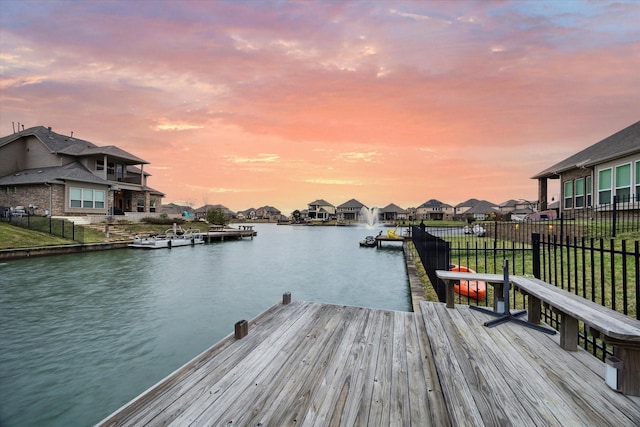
63	175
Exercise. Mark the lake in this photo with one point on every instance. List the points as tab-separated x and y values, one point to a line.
83	334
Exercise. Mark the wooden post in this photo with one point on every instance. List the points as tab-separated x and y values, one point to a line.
450	296
241	329
568	332
286	298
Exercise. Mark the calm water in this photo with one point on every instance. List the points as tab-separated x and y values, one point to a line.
80	335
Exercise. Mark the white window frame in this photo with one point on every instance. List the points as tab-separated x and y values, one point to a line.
608	189
578	196
567	195
623	186
86	198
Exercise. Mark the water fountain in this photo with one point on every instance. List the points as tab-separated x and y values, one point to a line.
369	217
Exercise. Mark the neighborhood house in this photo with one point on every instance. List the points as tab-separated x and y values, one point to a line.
46	173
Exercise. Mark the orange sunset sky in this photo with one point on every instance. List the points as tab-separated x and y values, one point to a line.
252	103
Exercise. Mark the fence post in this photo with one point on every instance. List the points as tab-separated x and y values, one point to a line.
535	248
614	218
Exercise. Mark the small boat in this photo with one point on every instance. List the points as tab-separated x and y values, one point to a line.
173	237
474	289
368	242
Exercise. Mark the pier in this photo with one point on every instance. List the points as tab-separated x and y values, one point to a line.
220	233
305	363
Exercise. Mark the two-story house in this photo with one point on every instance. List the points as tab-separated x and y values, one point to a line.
393	212
67	176
434	210
601	174
321	210
349	210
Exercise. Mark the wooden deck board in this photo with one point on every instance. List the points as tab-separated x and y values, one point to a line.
541	383
327	365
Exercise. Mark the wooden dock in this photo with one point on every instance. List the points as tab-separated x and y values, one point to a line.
305	363
221	233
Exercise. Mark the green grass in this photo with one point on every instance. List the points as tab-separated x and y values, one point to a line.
12	237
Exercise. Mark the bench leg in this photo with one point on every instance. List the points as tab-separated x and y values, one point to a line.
450	294
629	353
568	332
534	308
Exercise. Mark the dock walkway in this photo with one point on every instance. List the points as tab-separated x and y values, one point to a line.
306	364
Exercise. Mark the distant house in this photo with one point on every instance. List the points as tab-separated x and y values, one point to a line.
602	173
434	210
321	210
349	211
201	212
517	210
269	213
174	209
62	175
477	209
393	212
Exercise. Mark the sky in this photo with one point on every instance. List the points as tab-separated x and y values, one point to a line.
280	103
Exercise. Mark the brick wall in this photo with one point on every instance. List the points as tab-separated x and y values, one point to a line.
45	198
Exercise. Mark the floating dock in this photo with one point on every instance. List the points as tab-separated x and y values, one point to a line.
304	363
221	233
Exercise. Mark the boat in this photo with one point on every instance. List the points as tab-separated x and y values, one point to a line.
368	242
173	237
474	289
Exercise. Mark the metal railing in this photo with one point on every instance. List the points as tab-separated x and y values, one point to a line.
54	226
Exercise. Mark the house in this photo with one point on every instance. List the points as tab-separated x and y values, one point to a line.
601	174
477	209
201	212
62	175
517	210
321	210
349	210
434	210
268	212
173	209
393	213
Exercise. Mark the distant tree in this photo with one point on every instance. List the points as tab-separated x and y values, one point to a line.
217	216
296	215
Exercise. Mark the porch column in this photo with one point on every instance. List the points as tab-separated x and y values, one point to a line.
542	194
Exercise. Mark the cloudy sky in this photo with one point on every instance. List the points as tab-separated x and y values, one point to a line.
252	103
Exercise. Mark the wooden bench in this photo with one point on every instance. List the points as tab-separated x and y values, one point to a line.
614	328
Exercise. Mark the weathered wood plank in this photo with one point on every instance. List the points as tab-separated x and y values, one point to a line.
457	393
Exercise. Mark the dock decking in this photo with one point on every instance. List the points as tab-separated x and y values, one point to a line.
305	363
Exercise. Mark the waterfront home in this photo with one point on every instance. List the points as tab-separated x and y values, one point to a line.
202	211
477	209
517	210
434	210
596	175
61	175
349	210
321	210
393	213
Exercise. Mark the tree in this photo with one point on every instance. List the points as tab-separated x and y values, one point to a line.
217	216
296	215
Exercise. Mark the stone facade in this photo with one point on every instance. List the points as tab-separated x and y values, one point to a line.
47	199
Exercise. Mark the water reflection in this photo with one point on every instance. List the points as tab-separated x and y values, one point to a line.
83	334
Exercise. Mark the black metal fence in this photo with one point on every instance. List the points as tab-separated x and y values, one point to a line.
54	226
603	270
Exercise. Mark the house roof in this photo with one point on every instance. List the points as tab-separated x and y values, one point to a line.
320	202
482	207
433	203
620	144
393	208
70	172
468	203
62	144
353	203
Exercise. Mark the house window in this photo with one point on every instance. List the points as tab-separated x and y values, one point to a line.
579	193
111	168
99	165
140	205
119	173
86	198
588	188
637	181
568	194
623	182
604	186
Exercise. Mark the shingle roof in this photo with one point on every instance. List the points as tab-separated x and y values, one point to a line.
482	207
433	203
393	208
320	202
70	172
353	203
620	144
71	146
